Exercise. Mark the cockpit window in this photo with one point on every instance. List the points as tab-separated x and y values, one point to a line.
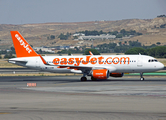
152	60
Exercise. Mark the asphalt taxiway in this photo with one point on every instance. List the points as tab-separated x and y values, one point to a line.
66	97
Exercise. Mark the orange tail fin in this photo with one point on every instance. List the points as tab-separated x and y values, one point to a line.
22	48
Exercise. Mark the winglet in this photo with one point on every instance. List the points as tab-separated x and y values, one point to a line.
90	53
22	48
43	60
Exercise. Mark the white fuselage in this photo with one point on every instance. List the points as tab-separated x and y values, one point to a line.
114	63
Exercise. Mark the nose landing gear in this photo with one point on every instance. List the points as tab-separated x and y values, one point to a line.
142	78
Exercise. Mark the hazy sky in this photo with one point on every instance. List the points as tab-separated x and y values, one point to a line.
43	11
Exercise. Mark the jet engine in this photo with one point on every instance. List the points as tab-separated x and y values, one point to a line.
116	74
100	73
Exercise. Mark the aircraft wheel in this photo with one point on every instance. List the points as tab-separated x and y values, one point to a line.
142	79
83	79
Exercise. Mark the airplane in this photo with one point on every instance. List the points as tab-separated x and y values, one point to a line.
96	66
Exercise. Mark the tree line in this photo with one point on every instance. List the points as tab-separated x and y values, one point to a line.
130	47
158	51
153	50
122	33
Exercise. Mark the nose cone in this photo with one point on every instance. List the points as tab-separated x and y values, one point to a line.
160	66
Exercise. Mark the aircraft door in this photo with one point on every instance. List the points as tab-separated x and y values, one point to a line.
37	63
139	61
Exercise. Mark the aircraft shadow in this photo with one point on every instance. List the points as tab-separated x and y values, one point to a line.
69	79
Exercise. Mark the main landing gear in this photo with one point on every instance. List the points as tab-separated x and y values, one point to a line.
141	75
83	78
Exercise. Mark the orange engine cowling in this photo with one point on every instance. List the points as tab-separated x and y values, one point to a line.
116	74
100	73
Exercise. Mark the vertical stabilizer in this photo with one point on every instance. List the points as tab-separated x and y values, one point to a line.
22	48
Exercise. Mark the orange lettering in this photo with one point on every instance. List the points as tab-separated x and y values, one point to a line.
71	61
87	60
78	61
113	60
107	60
63	61
100	60
124	60
56	61
93	60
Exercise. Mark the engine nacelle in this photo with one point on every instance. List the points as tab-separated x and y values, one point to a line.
100	73
116	74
